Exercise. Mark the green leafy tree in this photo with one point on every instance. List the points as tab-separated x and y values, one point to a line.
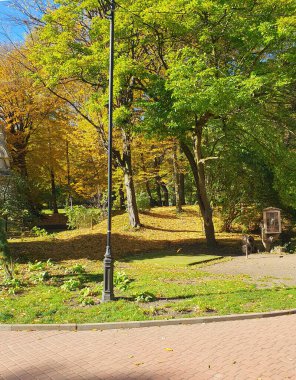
222	66
216	76
72	62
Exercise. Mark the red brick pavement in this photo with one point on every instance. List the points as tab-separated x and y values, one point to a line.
250	349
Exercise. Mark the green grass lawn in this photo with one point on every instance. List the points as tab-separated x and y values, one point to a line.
173	284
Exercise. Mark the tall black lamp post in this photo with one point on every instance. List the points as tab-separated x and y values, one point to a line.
108	293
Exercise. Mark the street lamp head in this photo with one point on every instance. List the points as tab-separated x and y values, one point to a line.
106	7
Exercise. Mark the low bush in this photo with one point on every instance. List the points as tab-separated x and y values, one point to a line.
71	284
83	217
37	265
78	269
143	202
13	286
121	281
291	246
39	232
145	297
40	277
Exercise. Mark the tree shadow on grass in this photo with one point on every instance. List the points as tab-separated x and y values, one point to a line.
93	246
156	299
187	248
166	230
159	215
83	277
200	296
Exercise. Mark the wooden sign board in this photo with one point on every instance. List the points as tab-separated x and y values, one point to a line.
272	220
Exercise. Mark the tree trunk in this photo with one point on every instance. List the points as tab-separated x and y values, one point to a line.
121	198
158	192
161	185
209	226
53	192
68	173
197	167
19	162
165	193
190	157
151	199
17	140
182	188
204	203
132	208
177	180
147	184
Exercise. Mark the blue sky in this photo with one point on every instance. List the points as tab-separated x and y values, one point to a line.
8	25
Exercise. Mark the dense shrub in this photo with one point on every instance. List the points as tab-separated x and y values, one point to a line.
17	206
83	217
5	256
143	202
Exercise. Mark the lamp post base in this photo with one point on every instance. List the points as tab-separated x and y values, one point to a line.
108	294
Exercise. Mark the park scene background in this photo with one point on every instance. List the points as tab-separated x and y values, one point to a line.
204	140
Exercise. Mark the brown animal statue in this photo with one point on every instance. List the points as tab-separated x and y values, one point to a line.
248	245
267	239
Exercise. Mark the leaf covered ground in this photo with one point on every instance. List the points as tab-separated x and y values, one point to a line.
162	228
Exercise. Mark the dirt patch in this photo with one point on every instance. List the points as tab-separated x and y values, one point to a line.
266	270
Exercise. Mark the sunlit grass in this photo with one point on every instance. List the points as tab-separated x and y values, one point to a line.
179	290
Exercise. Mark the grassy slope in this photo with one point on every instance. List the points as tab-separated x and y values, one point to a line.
162	228
175	243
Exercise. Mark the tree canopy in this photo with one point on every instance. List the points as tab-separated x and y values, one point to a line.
203	91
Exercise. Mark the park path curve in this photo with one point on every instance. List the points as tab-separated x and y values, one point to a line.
245	349
276	269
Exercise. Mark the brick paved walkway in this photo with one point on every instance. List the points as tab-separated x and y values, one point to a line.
250	349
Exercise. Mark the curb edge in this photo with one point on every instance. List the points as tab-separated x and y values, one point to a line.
138	324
